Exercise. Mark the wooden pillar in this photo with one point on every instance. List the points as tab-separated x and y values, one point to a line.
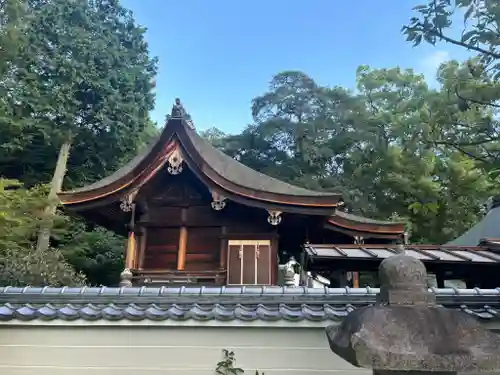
181	248
355	279
181	251
223	249
131	253
142	249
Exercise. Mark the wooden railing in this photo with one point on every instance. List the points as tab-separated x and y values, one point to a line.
164	277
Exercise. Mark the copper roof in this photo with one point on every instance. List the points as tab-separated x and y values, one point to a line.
223	165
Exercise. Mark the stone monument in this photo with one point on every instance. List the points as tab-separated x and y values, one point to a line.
406	332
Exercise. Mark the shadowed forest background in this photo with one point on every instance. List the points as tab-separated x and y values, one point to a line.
76	90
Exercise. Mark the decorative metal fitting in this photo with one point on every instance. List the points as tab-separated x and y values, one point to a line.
218	201
175	161
358	240
274	217
127	202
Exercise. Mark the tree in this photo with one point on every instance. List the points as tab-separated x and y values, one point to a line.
97	253
20	262
295	126
215	136
474	84
398	167
379	147
83	80
472	130
480	33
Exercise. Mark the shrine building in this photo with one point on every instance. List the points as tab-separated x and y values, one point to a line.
195	216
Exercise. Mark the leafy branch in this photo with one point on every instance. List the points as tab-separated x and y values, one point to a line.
227	366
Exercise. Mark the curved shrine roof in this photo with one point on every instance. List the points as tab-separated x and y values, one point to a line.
221	167
225	174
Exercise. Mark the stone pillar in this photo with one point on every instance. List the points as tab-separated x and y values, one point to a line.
126	278
289	272
407	333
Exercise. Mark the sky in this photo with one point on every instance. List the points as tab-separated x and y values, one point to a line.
217	55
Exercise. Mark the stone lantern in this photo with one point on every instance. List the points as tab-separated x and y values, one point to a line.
405	331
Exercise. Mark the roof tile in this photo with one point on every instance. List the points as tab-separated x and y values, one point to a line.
224	304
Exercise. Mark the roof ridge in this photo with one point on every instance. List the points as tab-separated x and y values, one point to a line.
202	291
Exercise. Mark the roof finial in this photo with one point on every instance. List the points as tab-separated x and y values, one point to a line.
178	111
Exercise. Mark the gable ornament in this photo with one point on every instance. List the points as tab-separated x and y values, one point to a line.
274	217
127	202
175	161
218	201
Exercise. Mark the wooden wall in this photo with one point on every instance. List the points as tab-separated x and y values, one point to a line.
203	248
207	234
236	219
178	202
161	248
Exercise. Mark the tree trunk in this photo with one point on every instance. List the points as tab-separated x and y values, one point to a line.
55	187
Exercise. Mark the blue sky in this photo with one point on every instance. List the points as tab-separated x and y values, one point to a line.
217	55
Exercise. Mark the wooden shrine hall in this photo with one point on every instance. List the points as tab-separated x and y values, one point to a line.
194	215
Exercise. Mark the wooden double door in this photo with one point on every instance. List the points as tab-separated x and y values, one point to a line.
249	262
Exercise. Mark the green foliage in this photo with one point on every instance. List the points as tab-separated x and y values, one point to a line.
20	263
480	33
75	70
381	147
227	365
215	136
78	71
98	253
83	74
473	85
401	167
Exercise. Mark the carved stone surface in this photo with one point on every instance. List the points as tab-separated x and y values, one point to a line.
404	282
406	331
126	278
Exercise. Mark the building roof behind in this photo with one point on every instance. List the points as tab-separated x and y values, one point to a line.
487	227
426	253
